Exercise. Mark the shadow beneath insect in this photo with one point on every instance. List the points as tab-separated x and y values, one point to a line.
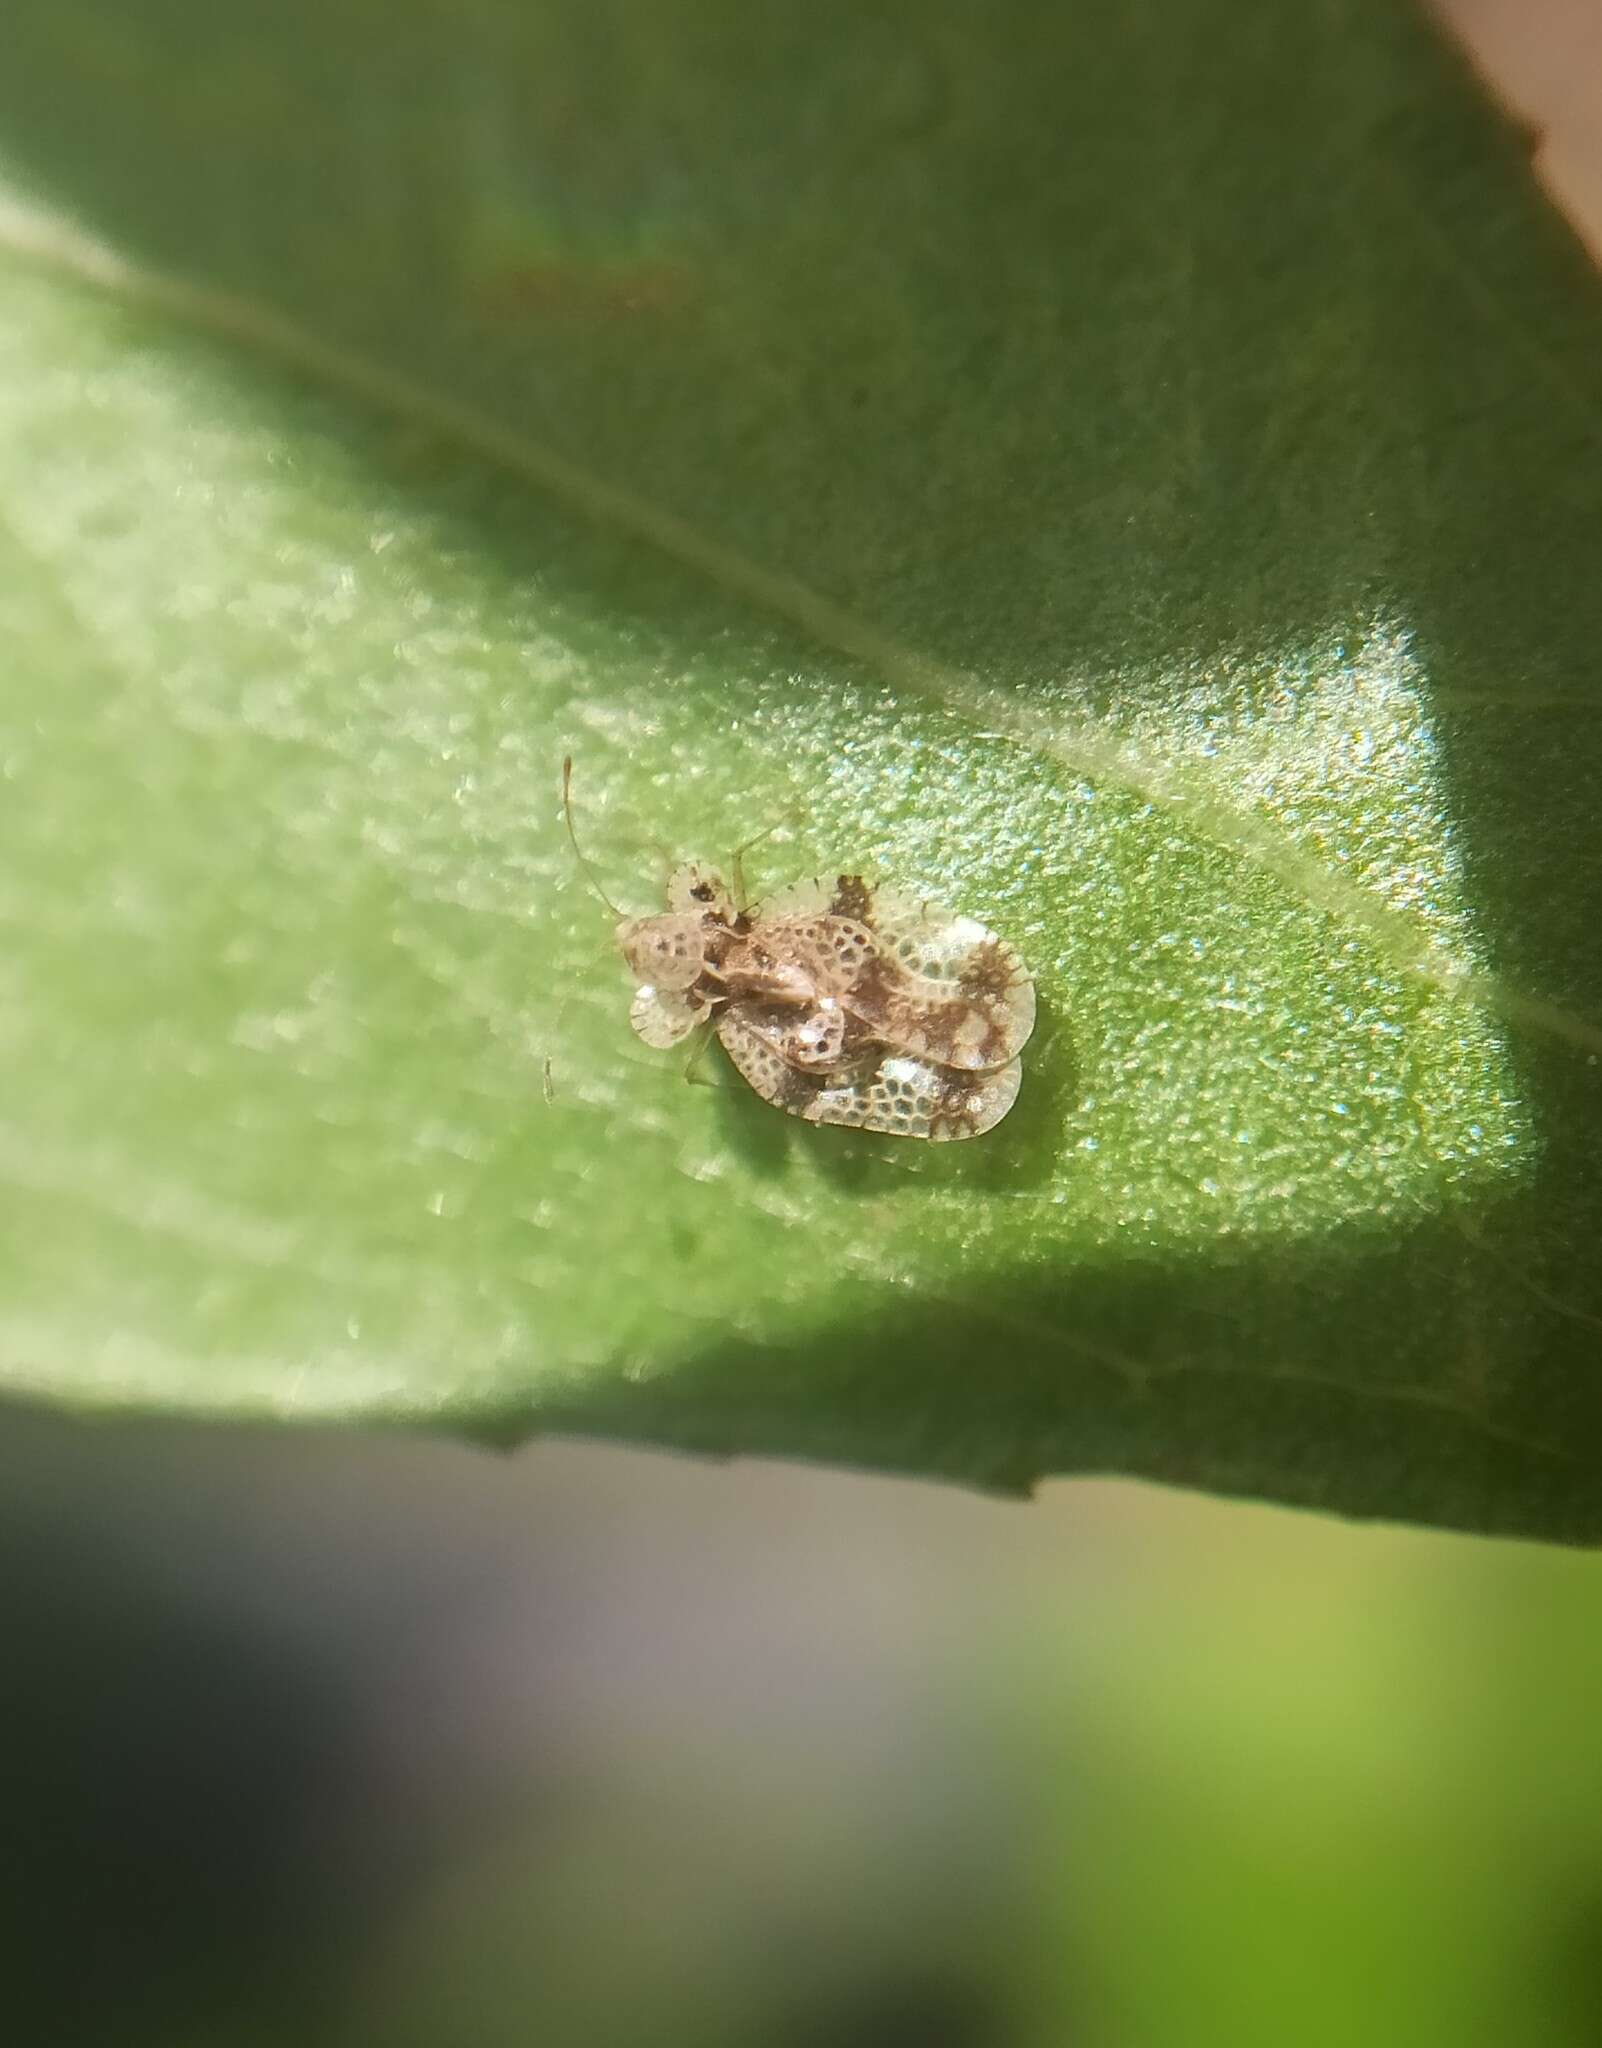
763	1136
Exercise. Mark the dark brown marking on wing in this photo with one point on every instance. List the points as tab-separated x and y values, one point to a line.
954	1106
709	991
860	1038
852	898
797	1089
990	970
880	1000
708	996
883	1001
943	1024
879	984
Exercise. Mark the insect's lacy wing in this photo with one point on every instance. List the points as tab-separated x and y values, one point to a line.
813	1040
759	1062
804	899
696	887
664	1016
948	989
908	1098
849	896
819	925
913	1098
832	950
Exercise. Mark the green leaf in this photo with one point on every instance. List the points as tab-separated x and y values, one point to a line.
1134	472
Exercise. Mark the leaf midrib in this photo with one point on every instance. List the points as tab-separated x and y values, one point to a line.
57	246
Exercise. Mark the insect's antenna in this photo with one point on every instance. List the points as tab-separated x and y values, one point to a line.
578	851
790	815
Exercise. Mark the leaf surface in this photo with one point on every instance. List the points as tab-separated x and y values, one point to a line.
1133	474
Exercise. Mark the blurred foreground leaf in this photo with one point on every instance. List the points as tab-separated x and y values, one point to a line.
1135	472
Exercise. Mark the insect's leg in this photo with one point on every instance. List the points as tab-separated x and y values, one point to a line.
700	1039
790	815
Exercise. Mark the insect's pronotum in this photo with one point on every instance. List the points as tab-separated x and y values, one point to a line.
841	1001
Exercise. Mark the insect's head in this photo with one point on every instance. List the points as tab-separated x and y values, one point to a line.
666	952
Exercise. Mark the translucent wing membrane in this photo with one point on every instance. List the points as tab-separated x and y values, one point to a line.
804	899
697	887
664	1016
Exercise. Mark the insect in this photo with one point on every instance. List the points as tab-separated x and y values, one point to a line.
840	1001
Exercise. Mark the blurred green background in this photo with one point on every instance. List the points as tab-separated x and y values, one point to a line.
315	1740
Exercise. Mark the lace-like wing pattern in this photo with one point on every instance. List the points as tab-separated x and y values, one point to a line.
840	1002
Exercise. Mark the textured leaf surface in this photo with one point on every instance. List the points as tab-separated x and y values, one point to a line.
1132	473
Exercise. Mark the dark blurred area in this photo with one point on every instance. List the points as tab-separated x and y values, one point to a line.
353	1740
321	1740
